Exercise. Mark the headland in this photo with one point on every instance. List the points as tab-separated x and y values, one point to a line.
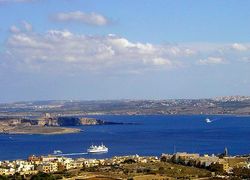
47	124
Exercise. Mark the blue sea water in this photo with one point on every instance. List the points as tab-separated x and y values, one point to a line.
152	136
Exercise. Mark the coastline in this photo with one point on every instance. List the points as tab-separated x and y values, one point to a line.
178	114
43	130
180	165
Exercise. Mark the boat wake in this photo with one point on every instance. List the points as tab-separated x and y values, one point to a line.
207	120
71	154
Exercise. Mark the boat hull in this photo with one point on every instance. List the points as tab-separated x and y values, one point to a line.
97	151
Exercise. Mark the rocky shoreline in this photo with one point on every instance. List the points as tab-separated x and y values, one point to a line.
48	125
43	130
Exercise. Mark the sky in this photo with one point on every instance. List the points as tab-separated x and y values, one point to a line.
126	49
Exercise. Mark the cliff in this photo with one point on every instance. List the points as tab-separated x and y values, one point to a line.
72	121
54	122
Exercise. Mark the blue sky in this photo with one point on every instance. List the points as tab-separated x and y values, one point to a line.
154	49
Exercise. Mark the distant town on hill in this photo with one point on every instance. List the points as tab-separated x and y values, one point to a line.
239	105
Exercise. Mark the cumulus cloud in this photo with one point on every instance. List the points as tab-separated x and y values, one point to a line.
161	61
28	50
14	29
239	47
27	26
212	60
82	17
76	52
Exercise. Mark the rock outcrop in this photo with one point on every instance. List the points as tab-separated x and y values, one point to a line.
9	123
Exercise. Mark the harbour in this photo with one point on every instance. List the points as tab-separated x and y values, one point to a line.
154	135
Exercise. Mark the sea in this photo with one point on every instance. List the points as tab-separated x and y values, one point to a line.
147	135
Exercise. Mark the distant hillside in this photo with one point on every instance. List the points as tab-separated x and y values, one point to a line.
222	105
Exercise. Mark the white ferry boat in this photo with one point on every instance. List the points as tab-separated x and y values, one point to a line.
97	149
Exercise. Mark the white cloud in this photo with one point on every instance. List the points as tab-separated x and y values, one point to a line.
27	26
73	52
161	61
239	47
211	60
14	29
27	50
82	17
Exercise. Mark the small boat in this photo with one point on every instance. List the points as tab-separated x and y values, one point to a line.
97	149
57	152
208	120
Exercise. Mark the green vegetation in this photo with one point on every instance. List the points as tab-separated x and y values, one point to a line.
242	173
3	177
131	169
43	176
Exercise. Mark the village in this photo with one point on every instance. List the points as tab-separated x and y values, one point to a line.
178	165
